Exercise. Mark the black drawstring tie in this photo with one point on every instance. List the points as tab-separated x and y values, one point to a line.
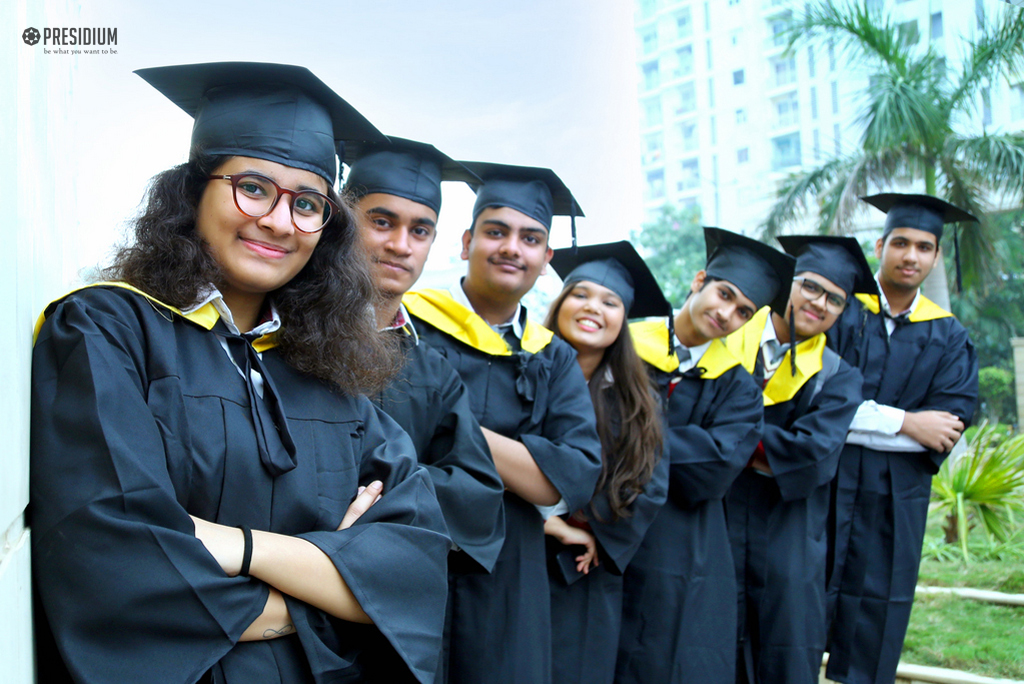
273	439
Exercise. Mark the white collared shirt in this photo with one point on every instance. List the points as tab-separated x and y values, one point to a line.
459	295
214	297
877	425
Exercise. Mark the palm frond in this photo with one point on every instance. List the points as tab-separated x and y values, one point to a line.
978	259
798	193
903	111
861	35
996	159
998	49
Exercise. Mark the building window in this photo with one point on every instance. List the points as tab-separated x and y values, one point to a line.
785	151
908	32
711	92
814	103
734	37
1017	102
979	12
651	79
687	99
684	61
936	25
653	149
780	32
837	134
684	23
714	132
647	8
986	107
738	77
787	111
741	116
709	52
688	133
656	184
650	42
831	56
707	16
743	155
784	71
733	3
690	175
652	111
835	97
810	61
875	6
817	145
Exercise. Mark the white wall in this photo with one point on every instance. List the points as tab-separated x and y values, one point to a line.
37	196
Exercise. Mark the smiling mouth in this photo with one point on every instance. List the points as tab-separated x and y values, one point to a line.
391	264
265	249
508	264
588	325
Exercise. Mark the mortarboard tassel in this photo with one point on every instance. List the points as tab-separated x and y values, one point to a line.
671	335
956	258
792	342
572	222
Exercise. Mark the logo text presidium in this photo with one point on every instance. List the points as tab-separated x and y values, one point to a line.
79	36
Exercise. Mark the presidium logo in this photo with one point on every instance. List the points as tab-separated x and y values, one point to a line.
73	41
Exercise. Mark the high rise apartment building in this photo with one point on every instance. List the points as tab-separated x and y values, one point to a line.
726	114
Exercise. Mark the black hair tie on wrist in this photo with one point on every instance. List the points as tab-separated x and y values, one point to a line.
247	552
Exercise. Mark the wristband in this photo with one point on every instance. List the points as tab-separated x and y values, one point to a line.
247	551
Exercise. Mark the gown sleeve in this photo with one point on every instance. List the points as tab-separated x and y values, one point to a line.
393	559
567	450
452	448
116	562
707	457
804	454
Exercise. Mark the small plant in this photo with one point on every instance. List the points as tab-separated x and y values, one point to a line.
983	488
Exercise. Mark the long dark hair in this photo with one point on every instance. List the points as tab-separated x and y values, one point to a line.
628	456
329	328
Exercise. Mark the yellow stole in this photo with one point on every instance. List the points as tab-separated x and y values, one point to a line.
651	341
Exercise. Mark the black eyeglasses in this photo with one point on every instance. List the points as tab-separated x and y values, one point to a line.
813	290
257	195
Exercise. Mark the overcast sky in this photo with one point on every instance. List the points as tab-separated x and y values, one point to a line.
534	82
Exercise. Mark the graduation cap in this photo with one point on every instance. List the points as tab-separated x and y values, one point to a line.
404	168
762	274
617	266
840	259
536	192
922	212
277	112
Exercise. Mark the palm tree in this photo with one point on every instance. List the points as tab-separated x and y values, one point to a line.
913	119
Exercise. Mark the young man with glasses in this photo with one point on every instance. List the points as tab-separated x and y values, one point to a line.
397	188
529	394
678	622
777	509
920	390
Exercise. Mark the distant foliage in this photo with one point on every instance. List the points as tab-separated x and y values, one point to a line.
996	395
673	247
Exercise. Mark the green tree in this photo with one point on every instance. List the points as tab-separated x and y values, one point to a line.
995	394
673	246
917	117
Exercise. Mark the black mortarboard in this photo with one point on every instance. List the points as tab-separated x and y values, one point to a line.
922	212
405	168
762	273
536	192
840	259
277	112
617	266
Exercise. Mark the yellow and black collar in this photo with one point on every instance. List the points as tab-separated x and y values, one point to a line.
745	343
926	309
437	308
651	340
205	316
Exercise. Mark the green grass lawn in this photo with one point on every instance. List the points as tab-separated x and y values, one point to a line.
981	638
961	634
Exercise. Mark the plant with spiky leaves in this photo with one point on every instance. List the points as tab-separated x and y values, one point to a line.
984	486
916	118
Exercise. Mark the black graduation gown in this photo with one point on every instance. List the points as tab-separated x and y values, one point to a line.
678	624
501	629
586	610
430	402
880	498
139	418
777	523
